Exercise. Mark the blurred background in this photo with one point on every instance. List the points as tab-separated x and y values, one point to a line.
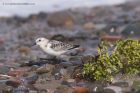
78	21
83	22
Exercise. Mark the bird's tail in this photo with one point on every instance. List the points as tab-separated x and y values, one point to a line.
74	46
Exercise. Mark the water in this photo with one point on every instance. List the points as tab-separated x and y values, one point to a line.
27	7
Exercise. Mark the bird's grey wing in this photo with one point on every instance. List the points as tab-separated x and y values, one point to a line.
60	46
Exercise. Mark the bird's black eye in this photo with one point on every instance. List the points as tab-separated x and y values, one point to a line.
39	40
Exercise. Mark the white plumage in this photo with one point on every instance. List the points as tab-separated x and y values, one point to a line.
54	47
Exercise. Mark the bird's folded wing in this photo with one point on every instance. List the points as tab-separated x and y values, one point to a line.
60	46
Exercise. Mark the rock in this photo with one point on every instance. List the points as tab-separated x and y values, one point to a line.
45	69
80	90
21	89
17	72
77	72
33	91
112	89
78	62
136	85
6	89
89	26
57	76
65	83
81	84
132	30
66	64
63	72
69	82
34	68
24	50
31	63
87	59
94	87
62	89
121	84
60	19
44	78
2	41
4	69
13	83
30	79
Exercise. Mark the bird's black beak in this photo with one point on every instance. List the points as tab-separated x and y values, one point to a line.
34	44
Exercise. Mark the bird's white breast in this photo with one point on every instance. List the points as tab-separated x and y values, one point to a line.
50	50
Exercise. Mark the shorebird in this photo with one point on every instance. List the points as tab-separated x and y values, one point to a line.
54	47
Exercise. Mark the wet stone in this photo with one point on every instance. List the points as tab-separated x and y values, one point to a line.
136	85
121	84
95	88
66	64
112	89
4	69
62	89
78	62
30	79
21	89
69	82
65	83
45	69
5	89
13	83
80	90
17	72
57	76
81	84
32	91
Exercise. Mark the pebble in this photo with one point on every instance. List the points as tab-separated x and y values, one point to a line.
45	69
80	90
112	89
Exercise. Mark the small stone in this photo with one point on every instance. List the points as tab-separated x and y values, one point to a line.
60	19
24	50
63	72
95	88
62	89
81	84
32	91
4	69
69	82
13	83
121	84
17	72
65	83
80	90
45	69
31	79
76	63
112	89
57	76
136	85
21	89
6	89
89	26
66	64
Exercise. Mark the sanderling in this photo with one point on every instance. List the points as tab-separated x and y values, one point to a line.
54	47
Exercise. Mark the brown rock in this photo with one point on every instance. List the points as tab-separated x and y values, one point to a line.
45	69
60	19
24	50
89	26
111	38
81	90
17	72
13	83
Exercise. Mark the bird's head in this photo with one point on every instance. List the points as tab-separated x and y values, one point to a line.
41	41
